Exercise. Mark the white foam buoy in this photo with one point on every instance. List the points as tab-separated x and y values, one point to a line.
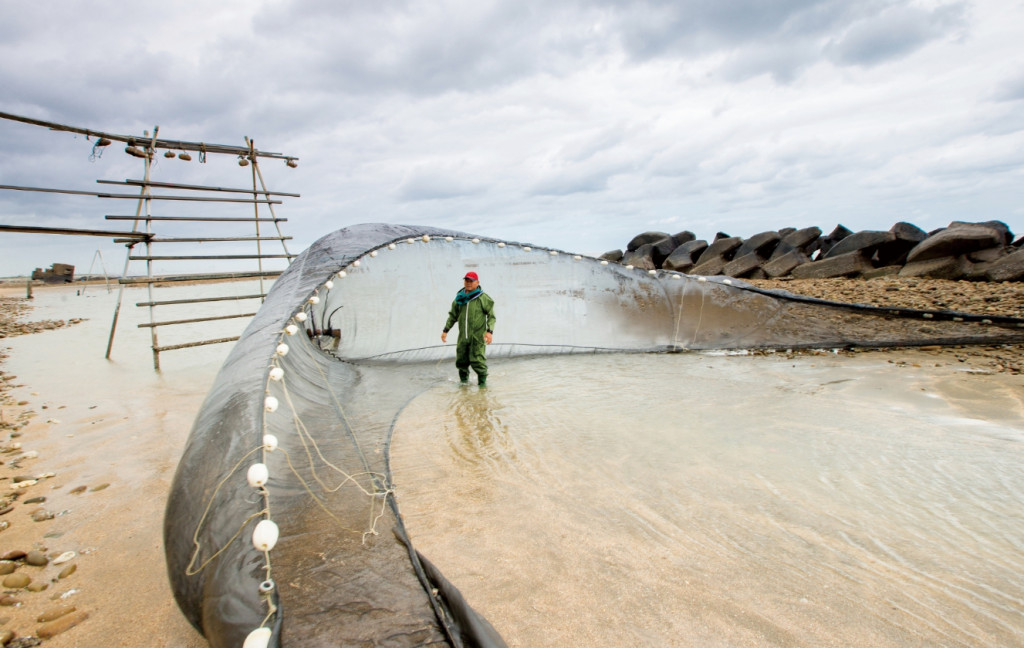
276	374
727	282
391	246
553	252
313	299
577	258
328	284
282	349
675	276
374	253
702	279
342	274
527	248
476	240
449	239
258	638
604	261
629	267
300	316
355	264
501	244
270	404
426	238
269	442
652	272
264	536
258	475
291	329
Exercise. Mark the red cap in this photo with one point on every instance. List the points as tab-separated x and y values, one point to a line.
472	275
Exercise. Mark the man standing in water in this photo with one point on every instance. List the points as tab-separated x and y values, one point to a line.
473	309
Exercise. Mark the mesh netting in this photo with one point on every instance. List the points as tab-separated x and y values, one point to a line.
361	313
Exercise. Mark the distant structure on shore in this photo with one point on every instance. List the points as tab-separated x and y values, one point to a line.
972	251
57	273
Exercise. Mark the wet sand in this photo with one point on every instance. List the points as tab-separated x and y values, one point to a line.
102	456
120	439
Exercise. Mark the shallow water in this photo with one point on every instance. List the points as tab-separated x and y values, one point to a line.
642	500
703	500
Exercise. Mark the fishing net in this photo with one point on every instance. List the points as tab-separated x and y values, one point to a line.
348	336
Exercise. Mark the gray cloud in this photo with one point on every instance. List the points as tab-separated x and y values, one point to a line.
1012	89
893	33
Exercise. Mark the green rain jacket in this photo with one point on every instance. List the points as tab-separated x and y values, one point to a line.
474	316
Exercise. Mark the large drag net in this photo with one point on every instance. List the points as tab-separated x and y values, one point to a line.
282	524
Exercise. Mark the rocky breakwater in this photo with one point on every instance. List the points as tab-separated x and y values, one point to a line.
36	570
983	251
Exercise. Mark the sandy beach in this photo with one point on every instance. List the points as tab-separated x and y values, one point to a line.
96	465
84	477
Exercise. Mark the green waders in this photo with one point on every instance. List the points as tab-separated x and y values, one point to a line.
471	353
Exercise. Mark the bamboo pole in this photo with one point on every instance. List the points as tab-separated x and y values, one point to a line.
197	277
154	143
130	236
127	256
98	194
192	321
175	185
211	257
263	184
256	212
199	300
199	219
189	345
225	239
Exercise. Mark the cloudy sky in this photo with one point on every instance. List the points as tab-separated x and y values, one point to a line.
564	123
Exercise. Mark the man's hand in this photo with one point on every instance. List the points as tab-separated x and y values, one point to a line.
444	337
488	337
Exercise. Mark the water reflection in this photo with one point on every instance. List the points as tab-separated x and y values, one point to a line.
475	434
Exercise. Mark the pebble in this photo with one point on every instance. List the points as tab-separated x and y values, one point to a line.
64	557
16	580
36	559
42	515
9	600
6	636
67	571
77	490
25	642
37	587
54	628
4	525
35	500
7	567
96	489
55	613
13	554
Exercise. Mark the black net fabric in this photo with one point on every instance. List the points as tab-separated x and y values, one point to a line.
368	304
